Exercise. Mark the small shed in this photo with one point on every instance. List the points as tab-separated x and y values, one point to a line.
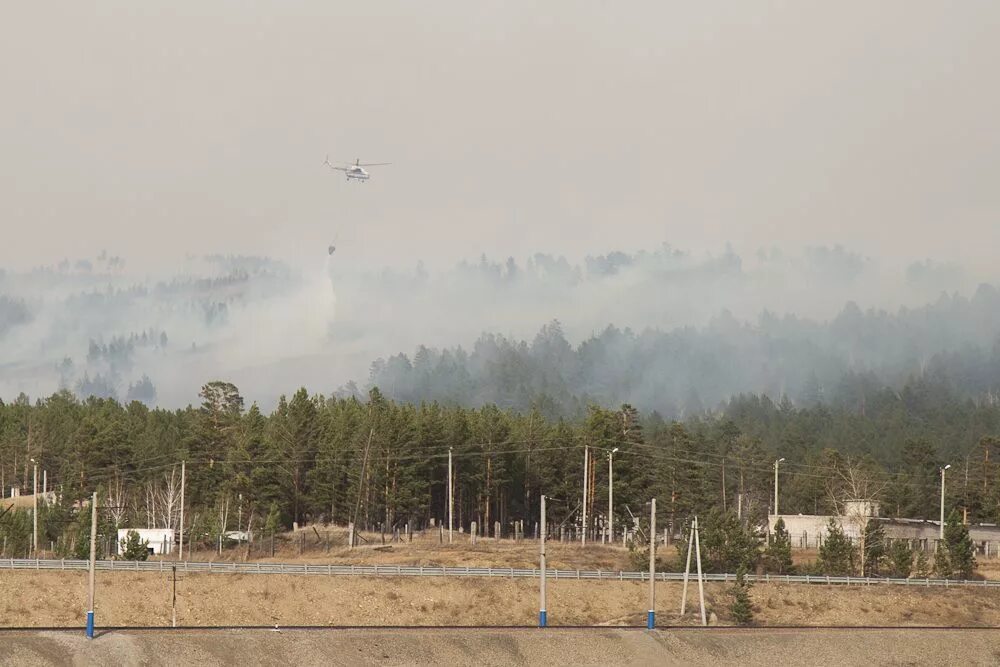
160	541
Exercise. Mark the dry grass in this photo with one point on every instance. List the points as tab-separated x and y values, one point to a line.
30	598
426	550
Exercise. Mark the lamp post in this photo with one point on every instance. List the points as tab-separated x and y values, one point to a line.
611	497
34	510
451	501
542	611
586	479
651	614
942	499
776	485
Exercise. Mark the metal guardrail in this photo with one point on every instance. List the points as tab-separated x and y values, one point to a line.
430	571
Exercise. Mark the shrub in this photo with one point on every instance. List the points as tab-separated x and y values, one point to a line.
741	607
836	555
778	554
134	548
900	559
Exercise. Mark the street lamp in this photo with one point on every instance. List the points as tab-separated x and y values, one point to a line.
451	501
34	510
942	499
611	498
776	485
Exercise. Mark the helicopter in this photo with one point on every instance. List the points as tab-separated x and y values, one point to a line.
357	170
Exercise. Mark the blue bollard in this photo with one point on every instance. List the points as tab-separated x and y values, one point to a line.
650	619
542	618
90	625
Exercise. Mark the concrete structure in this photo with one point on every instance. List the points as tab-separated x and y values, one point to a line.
18	499
807	531
161	540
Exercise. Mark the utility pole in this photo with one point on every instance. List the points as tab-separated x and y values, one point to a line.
723	484
701	583
776	487
586	480
93	559
611	497
180	555
651	616
542	614
173	599
687	569
34	512
942	500
451	499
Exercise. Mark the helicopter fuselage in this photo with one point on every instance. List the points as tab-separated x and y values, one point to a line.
356	173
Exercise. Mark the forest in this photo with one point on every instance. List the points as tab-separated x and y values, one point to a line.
729	364
382	463
660	329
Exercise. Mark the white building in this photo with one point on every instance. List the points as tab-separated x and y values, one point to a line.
160	540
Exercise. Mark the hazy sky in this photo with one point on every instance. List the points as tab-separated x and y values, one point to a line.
155	129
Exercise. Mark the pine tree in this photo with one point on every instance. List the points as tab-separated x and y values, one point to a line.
942	562
15	532
922	568
900	559
778	554
134	548
741	607
875	551
836	555
81	550
961	553
726	544
273	522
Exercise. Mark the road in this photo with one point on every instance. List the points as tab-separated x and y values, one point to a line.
598	646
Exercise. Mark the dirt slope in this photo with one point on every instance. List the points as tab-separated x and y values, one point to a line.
505	647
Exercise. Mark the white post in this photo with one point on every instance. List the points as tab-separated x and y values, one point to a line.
180	554
941	536
173	599
583	533
701	584
93	567
34	513
651	616
611	497
776	488
451	499
542	614
687	569
45	482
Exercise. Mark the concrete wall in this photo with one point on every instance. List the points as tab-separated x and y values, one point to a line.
161	540
808	531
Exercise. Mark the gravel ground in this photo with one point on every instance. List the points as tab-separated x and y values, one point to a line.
720	646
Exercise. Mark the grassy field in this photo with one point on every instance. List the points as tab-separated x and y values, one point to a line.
330	546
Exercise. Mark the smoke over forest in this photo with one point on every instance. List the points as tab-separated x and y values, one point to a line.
663	329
